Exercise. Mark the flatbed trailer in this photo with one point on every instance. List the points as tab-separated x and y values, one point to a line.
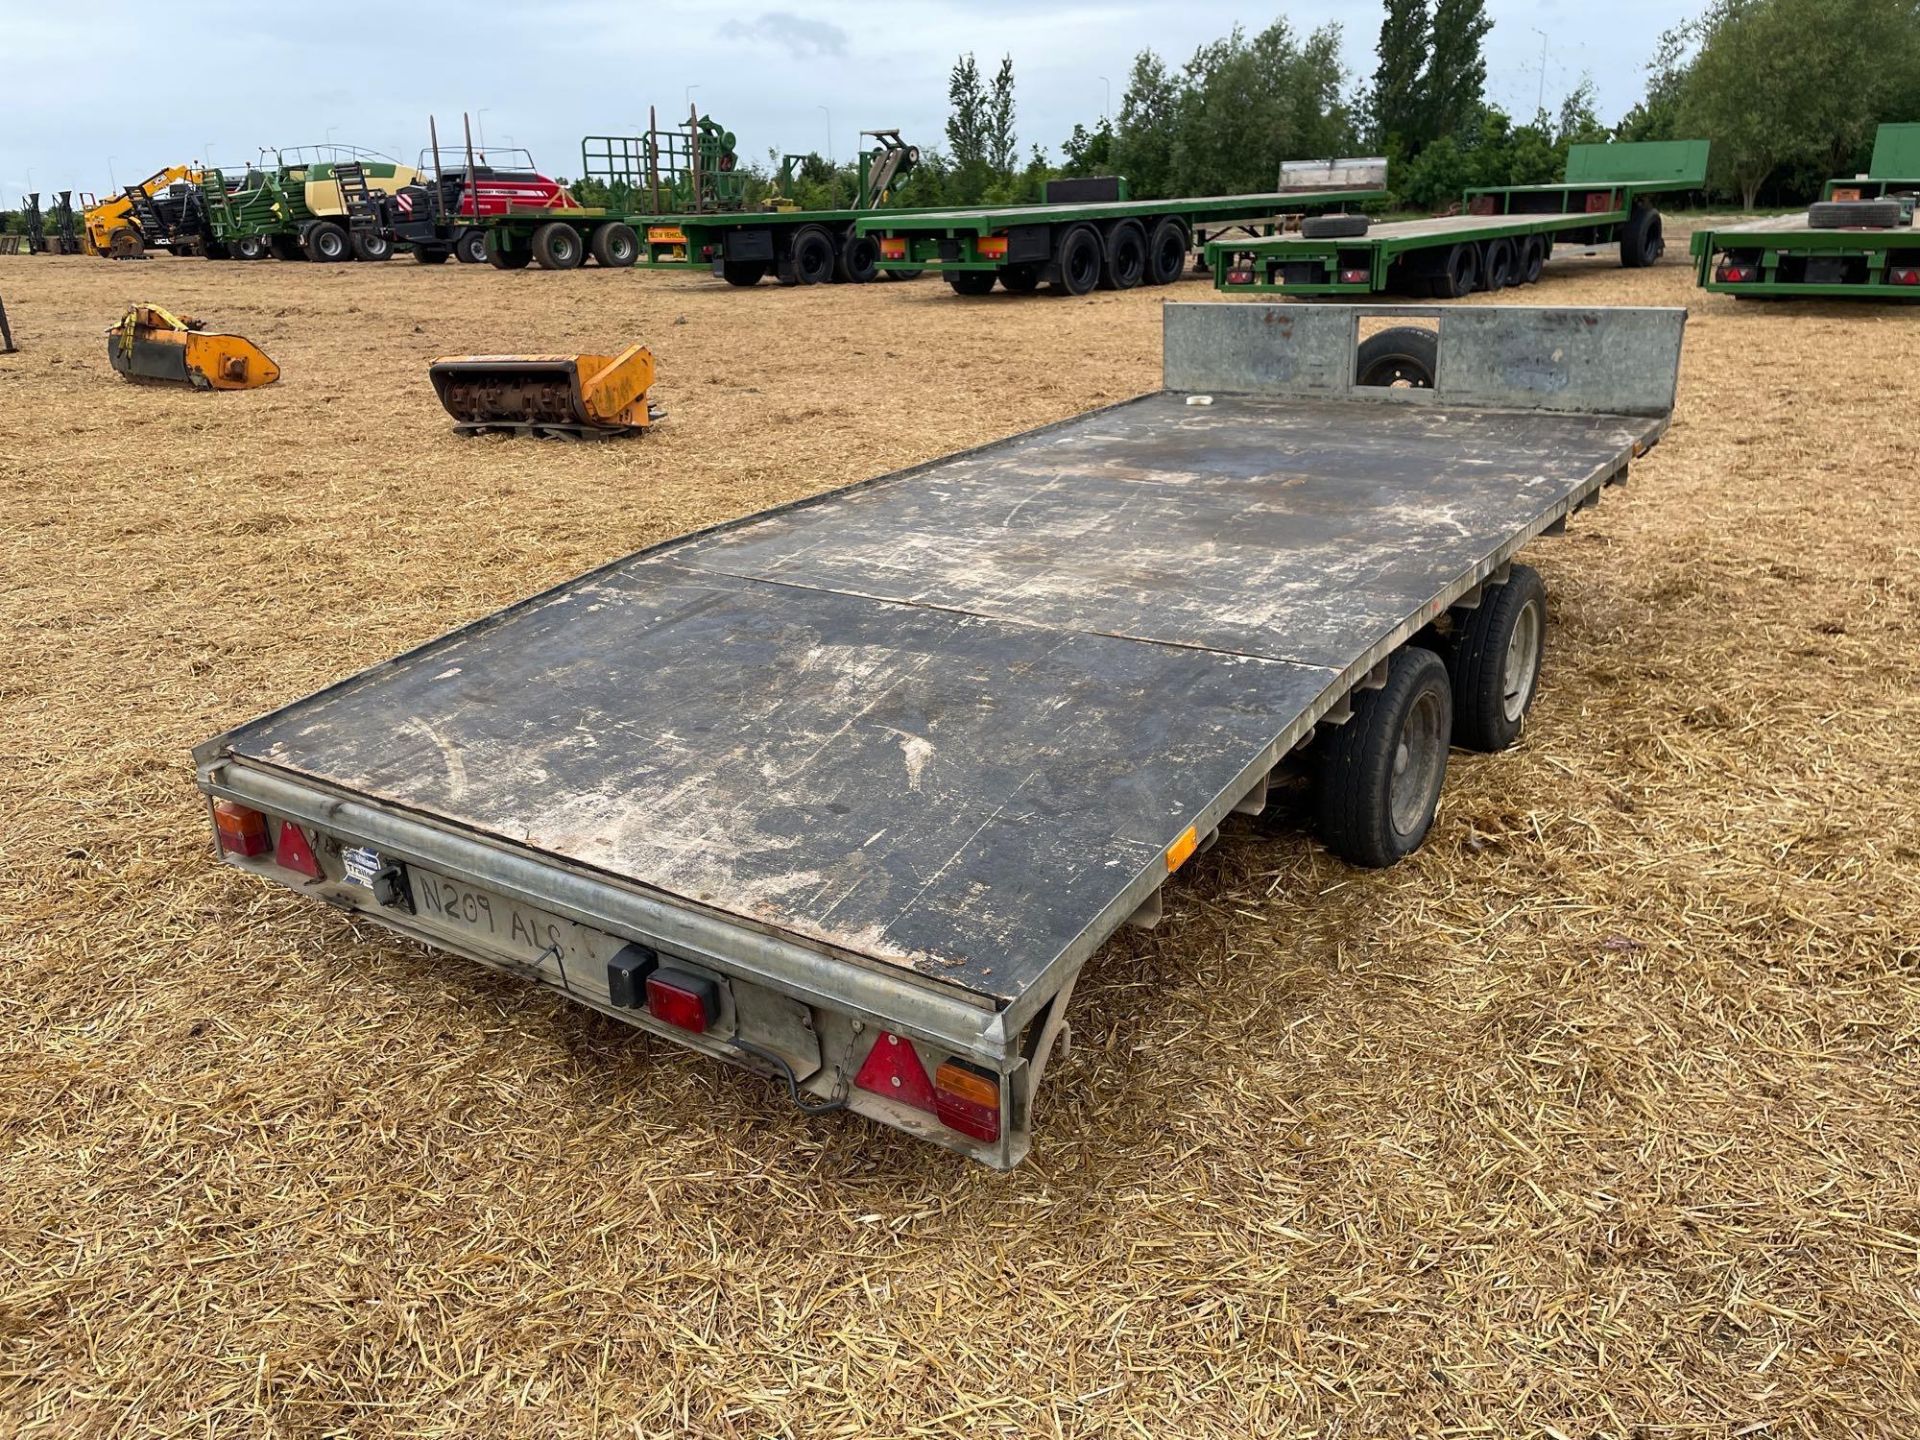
847	792
1859	243
1505	235
1081	236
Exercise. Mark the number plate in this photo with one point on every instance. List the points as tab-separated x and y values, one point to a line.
528	938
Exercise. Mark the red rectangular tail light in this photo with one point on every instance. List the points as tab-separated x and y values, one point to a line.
241	831
684	1001
967	1099
1904	275
1738	274
1239	277
1355	277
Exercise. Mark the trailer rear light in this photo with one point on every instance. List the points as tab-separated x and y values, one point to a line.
1239	277
1738	274
241	831
967	1099
893	249
294	853
893	1069
1904	275
1355	277
686	1002
991	247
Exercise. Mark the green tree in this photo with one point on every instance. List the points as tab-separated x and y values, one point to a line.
1656	115
1797	84
1001	143
1088	152
967	113
1143	140
1397	96
1456	74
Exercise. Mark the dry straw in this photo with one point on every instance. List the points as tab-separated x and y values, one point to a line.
1600	1118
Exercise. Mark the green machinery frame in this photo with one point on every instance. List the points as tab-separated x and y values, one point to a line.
1604	185
1781	257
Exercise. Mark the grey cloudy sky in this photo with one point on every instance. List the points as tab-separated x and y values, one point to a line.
225	78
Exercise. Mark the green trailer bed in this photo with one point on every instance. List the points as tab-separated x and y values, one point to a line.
1895	167
1503	237
1074	242
1783	256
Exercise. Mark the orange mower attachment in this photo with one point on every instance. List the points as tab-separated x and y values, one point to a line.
580	397
150	343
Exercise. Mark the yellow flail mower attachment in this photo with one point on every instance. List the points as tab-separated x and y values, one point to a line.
580	397
150	343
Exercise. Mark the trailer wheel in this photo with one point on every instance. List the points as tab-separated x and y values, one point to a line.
471	247
372	247
1641	243
505	259
1854	215
557	246
812	256
1496	265
1379	780
615	246
251	247
1405	356
1166	252
971	282
858	261
1459	274
286	247
1334	227
431	255
1533	259
1494	661
1125	262
1079	260
743	272
325	242
1020	279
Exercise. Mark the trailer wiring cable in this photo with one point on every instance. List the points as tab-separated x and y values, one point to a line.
825	1107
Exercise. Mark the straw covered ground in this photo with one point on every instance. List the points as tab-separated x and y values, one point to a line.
1601	1117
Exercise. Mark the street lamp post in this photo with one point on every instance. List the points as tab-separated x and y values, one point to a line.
1106	104
829	114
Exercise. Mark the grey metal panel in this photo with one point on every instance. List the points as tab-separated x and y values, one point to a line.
1356	172
1592	361
926	789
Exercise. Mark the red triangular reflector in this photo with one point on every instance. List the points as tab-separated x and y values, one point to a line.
893	1069
294	852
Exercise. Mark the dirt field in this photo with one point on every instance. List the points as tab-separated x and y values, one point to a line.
1601	1117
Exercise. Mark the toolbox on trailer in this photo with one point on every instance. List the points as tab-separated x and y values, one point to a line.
848	791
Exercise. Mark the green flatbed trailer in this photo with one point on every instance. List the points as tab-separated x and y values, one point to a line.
1504	237
1786	256
1082	236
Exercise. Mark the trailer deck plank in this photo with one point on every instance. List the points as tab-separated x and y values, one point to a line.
949	719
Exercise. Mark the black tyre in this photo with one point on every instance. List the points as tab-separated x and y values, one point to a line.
1496	265
286	247
743	272
1533	259
1494	661
897	274
505	259
1125	262
371	247
1166	252
1459	274
1333	227
251	247
1079	258
1379	776
431	255
1405	356
614	246
1641	240
1854	215
971	282
812	256
557	246
471	247
858	261
325	242
1020	279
